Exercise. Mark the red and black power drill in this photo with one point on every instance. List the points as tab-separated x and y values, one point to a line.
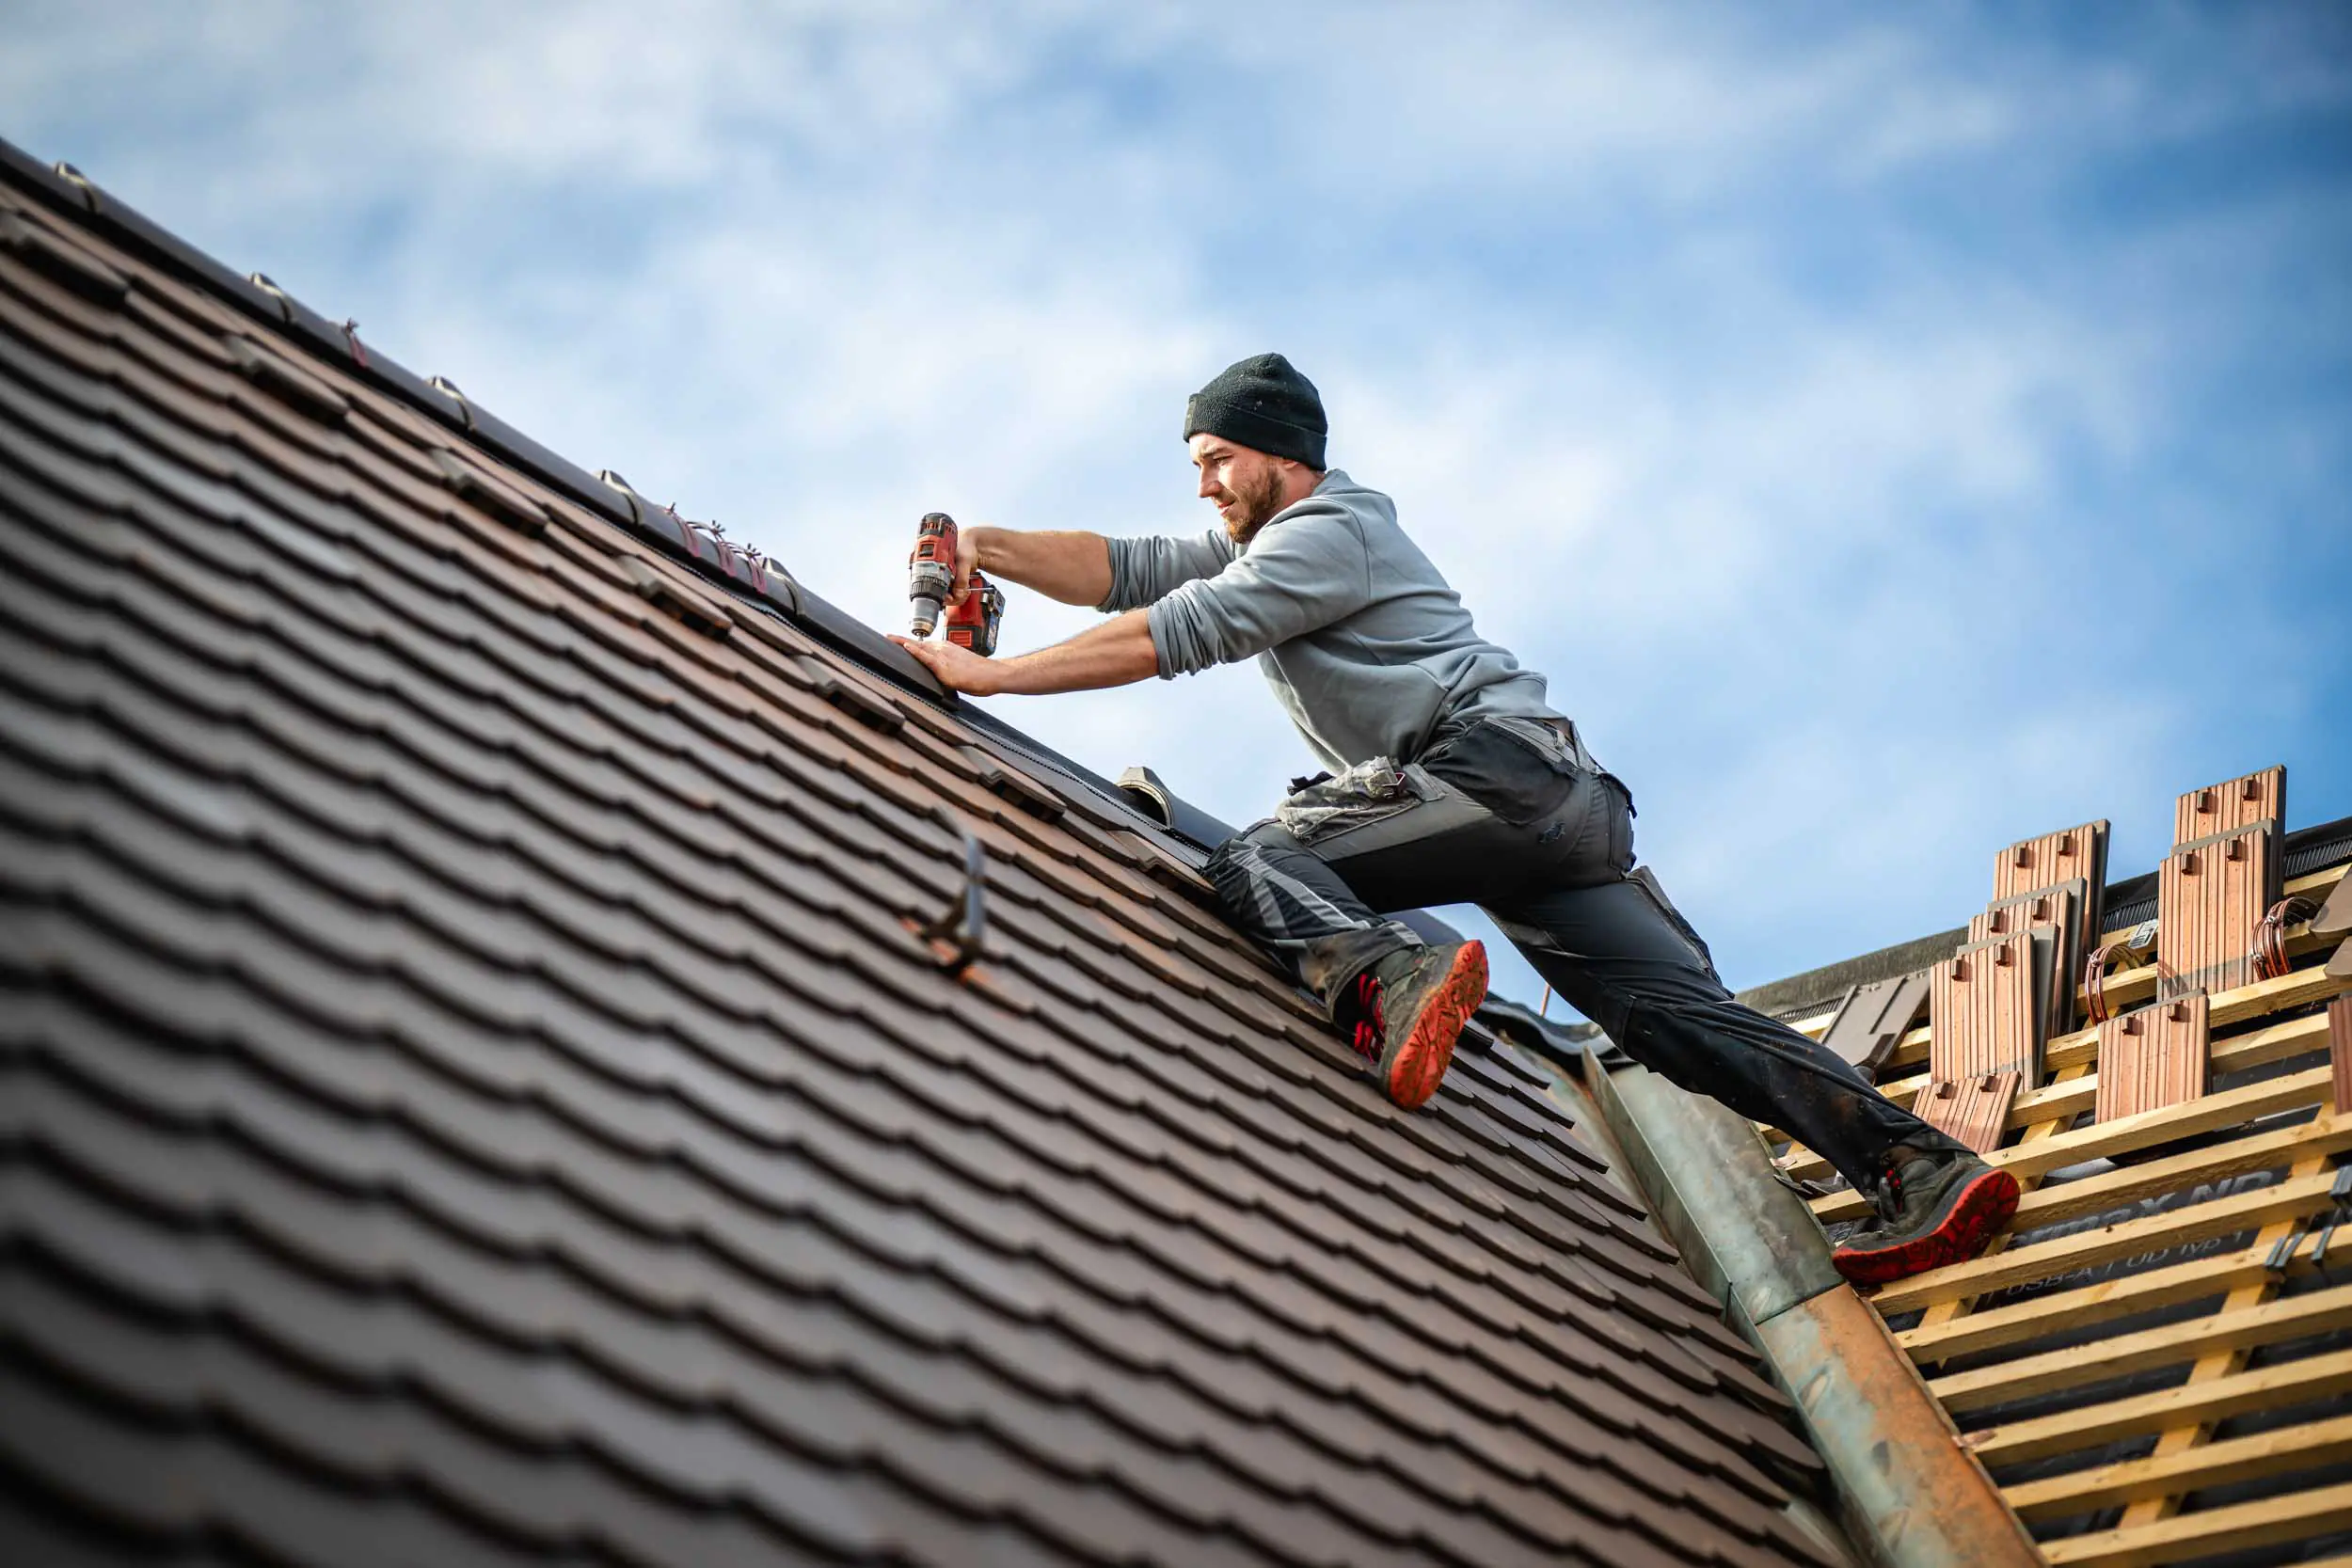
931	576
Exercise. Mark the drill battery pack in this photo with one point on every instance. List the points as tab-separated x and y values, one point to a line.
974	622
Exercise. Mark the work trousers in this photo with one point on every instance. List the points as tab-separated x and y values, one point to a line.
1510	815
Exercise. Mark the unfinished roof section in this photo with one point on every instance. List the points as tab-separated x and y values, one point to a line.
523	1039
2152	1362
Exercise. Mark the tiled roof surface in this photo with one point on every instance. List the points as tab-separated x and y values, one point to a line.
475	1088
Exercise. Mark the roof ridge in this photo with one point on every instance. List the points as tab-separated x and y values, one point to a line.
745	572
2305	850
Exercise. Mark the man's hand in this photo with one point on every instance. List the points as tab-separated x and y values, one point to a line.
957	667
967	562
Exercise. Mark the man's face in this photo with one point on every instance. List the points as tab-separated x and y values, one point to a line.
1247	485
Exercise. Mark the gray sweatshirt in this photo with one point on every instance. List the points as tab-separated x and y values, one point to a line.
1367	649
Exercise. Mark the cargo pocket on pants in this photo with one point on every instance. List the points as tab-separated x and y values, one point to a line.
1366	793
1517	768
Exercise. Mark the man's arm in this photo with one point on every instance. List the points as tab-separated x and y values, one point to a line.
1120	652
1303	573
1069	565
1087	569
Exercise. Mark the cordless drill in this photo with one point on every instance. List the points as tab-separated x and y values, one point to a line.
931	574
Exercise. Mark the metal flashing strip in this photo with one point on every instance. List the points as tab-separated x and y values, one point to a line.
1908	1494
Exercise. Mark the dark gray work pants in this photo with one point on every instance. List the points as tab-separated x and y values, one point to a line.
1507	814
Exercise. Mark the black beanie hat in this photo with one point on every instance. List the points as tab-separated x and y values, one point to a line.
1261	401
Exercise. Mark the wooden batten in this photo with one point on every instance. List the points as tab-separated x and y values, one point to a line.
2302	1447
2313	1377
2239	1526
2187	1169
2036	1158
2021	1323
2265	1323
2297	1198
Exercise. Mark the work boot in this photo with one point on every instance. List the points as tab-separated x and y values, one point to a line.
1935	1205
1408	1010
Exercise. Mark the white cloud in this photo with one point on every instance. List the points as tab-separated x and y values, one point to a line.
1809	497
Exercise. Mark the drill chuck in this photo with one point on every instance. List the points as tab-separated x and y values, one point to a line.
931	571
923	612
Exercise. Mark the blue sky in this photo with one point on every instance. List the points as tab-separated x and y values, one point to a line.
1894	431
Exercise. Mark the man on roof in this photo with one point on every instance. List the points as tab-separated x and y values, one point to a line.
1450	780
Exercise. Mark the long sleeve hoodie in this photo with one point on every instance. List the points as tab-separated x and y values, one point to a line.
1367	649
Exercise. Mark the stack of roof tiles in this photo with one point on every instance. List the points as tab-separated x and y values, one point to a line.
481	1082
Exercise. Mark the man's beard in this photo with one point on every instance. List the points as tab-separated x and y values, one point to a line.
1258	502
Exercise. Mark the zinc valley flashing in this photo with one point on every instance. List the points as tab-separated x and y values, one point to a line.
1907	1493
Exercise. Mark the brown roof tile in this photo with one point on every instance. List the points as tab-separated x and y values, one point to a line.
474	1082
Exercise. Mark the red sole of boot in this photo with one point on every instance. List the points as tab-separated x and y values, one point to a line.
1982	1207
1422	1060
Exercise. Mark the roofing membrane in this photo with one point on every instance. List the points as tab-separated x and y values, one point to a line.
486	1078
